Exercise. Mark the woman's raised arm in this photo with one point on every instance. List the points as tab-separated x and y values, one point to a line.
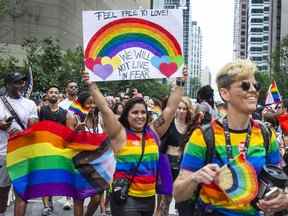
162	123
113	127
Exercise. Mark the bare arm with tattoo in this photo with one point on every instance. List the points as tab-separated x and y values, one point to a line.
162	123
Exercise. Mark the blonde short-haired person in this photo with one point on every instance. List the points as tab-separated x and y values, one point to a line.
239	89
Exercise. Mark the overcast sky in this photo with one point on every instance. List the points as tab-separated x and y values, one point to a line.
215	17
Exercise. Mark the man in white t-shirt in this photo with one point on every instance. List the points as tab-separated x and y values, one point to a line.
26	110
71	92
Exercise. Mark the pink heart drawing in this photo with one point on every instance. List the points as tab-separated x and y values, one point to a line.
90	62
103	71
168	69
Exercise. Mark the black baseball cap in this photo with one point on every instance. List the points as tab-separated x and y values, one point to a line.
14	77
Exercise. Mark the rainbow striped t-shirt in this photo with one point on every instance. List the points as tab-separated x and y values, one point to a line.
195	155
144	182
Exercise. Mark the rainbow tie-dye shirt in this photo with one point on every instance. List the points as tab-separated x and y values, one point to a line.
144	182
195	155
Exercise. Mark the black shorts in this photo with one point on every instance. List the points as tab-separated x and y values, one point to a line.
136	206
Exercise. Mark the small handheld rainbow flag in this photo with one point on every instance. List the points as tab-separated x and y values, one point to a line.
238	180
273	95
49	159
78	110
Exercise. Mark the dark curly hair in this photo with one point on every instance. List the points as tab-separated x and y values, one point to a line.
115	107
83	96
206	93
128	106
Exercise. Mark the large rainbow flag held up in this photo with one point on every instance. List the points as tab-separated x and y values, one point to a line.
49	159
273	95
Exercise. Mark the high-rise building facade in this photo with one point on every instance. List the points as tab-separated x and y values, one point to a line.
196	63
259	26
259	49
279	22
240	40
252	33
186	6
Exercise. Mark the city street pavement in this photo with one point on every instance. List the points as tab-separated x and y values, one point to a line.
35	208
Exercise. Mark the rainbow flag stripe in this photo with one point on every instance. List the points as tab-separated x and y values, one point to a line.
241	178
49	159
275	92
144	182
77	109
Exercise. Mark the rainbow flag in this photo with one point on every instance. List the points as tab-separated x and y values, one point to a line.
78	110
49	159
273	95
238	180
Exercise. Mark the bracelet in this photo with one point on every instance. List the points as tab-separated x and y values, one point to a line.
180	82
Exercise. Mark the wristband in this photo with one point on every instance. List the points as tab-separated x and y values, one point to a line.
180	82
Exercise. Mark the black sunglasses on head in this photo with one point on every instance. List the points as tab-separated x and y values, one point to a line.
245	86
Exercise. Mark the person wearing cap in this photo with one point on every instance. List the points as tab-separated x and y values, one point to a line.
27	112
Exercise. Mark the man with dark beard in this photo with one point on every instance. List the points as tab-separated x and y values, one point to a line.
71	93
52	112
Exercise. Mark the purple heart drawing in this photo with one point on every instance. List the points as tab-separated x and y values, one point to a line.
103	71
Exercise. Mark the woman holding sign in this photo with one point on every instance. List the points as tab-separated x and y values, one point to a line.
135	144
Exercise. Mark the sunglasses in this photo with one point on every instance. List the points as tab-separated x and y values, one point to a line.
245	86
75	87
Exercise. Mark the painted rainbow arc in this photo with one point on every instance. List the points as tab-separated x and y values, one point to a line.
132	32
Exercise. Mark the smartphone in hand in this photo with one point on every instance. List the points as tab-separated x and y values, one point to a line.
274	192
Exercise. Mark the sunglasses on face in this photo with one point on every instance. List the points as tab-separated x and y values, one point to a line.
246	85
73	87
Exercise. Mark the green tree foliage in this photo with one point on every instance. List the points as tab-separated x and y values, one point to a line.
280	66
264	79
3	7
6	65
52	66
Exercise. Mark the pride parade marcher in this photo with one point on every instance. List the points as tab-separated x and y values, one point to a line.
71	91
16	114
136	150
86	118
171	145
71	95
238	145
53	112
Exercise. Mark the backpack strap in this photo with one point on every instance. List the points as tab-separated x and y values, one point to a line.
208	135
266	133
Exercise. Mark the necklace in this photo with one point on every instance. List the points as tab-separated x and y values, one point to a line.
180	126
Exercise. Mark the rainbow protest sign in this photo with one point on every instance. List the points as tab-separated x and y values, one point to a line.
133	44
